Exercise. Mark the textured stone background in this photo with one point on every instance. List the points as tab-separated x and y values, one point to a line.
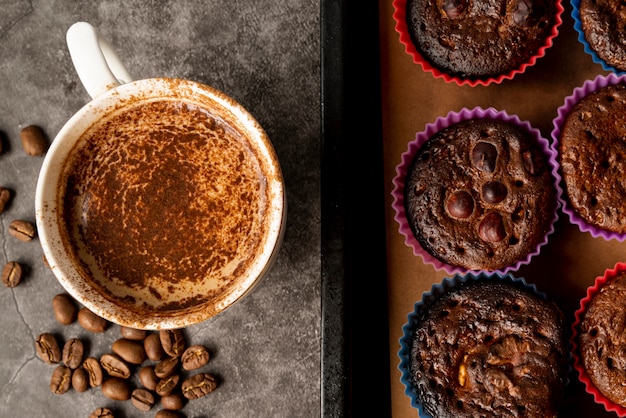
266	349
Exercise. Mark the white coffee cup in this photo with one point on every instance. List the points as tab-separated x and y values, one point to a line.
154	302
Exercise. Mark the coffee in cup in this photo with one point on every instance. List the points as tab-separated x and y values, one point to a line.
160	203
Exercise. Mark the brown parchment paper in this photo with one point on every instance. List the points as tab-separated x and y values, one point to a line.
411	98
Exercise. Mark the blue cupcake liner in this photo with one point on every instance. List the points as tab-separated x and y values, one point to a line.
581	38
430	297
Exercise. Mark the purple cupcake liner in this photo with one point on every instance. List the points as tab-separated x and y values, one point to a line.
587	48
407	158
578	94
427	299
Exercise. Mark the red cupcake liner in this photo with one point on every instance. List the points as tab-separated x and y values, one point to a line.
577	95
399	16
407	158
598	397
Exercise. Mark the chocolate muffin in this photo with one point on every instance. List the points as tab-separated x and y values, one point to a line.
603	23
480	39
489	348
592	158
601	339
480	195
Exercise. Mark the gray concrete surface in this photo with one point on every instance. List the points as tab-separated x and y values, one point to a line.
264	53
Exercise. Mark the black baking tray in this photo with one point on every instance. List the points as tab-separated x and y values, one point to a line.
354	329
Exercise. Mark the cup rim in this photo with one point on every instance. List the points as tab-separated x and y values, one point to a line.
46	210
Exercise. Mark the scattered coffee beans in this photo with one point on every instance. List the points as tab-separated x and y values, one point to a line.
166	367
164	413
47	348
173	401
102	413
167	385
5	195
94	370
142	399
173	342
116	389
34	140
73	353
61	379
115	366
64	309
133	334
22	230
195	357
80	380
198	386
90	321
12	274
153	347
130	351
148	378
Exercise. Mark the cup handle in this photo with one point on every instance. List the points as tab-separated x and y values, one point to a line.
98	66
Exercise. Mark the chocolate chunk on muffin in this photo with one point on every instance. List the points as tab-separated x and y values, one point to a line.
601	339
603	23
480	39
489	348
592	158
479	194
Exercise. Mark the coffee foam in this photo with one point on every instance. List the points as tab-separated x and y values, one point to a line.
165	204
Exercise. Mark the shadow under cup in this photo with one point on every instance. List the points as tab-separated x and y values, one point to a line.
160	204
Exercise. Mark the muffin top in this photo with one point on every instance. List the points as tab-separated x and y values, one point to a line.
592	156
602	340
479	38
604	25
489	348
479	194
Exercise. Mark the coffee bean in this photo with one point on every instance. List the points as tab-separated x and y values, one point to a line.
22	230
5	195
173	401
80	380
133	334
148	378
94	370
173	342
129	350
90	321
166	367
47	348
153	347
64	309
61	379
167	385
198	386
102	413
12	274
195	357
116	389
142	399
164	413
34	140
73	353
115	366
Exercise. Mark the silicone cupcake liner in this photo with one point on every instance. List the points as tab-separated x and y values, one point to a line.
575	353
427	299
399	16
581	38
579	93
407	158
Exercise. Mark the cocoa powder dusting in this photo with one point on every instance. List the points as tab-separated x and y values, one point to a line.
164	196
